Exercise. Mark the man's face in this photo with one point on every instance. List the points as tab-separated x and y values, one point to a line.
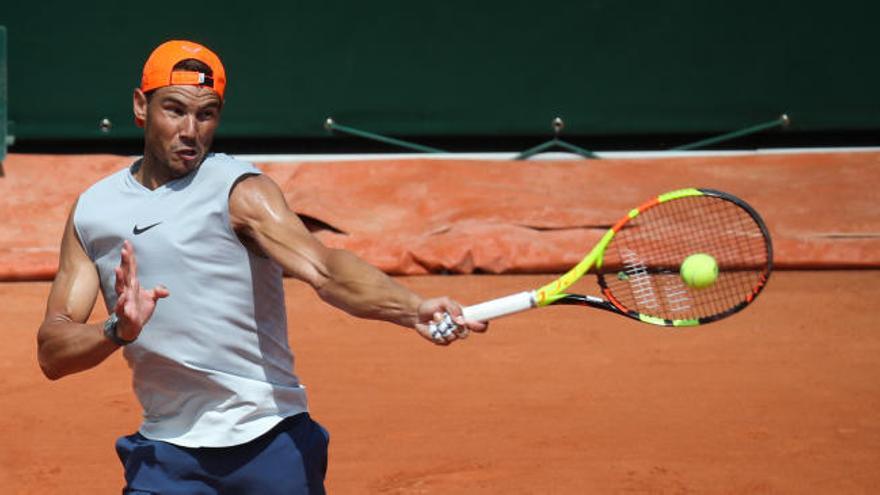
180	122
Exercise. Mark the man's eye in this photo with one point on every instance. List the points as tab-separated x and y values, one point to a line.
210	115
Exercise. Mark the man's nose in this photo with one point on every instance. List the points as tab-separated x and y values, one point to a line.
188	127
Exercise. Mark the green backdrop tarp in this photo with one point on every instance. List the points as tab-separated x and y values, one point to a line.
3	99
488	68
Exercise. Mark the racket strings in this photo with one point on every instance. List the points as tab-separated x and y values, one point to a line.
641	265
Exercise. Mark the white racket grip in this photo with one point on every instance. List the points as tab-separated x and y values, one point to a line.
502	306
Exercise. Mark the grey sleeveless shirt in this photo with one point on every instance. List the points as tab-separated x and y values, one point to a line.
213	366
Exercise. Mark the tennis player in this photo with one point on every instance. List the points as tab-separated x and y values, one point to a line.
188	249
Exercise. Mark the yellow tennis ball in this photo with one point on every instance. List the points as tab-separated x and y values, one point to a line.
699	270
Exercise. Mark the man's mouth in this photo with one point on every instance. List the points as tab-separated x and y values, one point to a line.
187	154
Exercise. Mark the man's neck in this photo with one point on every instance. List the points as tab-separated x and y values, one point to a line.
152	174
144	173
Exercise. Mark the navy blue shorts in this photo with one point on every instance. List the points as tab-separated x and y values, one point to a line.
289	459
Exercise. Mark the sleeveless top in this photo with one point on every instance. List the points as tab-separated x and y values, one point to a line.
212	367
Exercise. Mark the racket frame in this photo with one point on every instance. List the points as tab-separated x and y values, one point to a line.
554	292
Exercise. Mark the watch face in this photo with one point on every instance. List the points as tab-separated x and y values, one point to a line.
111	322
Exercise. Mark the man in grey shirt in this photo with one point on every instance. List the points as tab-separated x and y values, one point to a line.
212	368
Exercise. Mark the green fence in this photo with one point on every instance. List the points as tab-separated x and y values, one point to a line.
4	122
487	68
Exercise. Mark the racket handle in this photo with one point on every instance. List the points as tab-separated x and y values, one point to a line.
502	306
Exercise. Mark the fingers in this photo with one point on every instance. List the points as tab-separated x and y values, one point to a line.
132	264
120	280
460	327
126	272
455	310
134	304
120	303
442	329
445	322
437	330
477	326
445	328
123	271
159	292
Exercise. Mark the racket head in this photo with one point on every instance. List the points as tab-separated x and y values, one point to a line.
639	270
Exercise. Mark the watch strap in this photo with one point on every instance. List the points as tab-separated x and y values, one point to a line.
110	331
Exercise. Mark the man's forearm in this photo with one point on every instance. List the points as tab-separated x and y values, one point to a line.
363	290
66	347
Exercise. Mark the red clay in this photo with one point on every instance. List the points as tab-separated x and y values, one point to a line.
782	398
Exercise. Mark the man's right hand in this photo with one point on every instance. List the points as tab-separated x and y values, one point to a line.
134	305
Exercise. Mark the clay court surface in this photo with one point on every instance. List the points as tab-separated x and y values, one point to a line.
782	398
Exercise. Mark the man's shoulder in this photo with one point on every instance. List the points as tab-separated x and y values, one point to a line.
107	182
222	172
228	162
94	201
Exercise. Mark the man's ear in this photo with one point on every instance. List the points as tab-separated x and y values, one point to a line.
139	105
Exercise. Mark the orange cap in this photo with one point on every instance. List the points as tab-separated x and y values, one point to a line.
158	71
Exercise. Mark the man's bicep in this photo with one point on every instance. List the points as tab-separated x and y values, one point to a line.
76	284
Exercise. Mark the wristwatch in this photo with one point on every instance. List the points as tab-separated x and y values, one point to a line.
110	331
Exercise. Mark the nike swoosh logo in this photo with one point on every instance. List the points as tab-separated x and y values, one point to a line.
137	231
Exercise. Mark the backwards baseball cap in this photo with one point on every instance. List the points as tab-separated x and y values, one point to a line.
159	69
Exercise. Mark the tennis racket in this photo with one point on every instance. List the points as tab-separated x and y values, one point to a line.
637	264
